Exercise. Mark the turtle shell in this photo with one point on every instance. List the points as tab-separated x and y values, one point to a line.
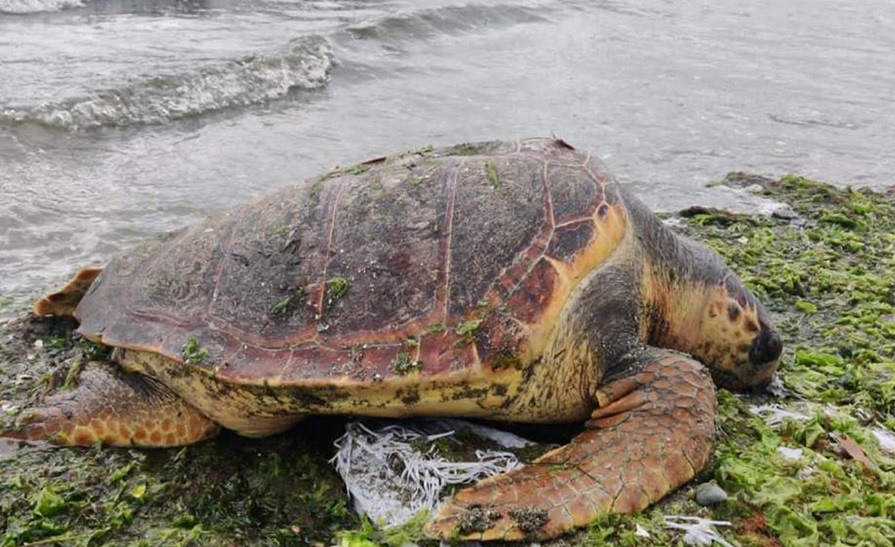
426	262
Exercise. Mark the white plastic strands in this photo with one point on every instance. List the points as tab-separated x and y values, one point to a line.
774	414
698	531
395	471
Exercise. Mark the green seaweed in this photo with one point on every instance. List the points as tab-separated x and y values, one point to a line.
289	302
466	329
192	352
493	175
336	287
356	169
506	359
465	149
370	535
405	364
91	351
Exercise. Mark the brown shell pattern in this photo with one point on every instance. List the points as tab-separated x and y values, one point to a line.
425	262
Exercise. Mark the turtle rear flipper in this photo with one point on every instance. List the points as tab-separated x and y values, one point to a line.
652	433
64	301
117	408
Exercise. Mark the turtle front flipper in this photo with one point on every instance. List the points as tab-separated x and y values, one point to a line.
652	432
117	408
64	301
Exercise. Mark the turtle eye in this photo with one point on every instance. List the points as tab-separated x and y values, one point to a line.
733	310
766	347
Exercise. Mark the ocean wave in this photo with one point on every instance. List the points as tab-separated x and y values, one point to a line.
448	20
22	7
304	65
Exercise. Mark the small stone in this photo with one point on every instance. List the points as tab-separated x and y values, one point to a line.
709	493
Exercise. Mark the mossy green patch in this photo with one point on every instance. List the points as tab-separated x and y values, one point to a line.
89	350
336	287
506	359
466	329
369	535
493	175
356	169
192	352
289	302
464	149
48	503
405	364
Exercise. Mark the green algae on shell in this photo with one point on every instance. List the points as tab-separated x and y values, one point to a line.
193	353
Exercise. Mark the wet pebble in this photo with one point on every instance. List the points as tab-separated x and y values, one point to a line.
709	493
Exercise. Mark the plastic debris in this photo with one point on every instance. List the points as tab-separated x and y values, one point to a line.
640	531
790	453
395	471
774	415
697	530
885	438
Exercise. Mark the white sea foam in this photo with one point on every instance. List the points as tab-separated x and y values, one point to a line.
22	7
304	65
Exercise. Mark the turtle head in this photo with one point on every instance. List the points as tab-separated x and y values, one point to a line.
736	339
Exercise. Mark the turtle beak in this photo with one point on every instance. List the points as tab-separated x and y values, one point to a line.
764	356
766	348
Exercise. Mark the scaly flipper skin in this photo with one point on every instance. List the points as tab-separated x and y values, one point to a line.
64	301
652	433
116	408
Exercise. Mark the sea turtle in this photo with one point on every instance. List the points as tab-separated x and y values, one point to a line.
512	281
